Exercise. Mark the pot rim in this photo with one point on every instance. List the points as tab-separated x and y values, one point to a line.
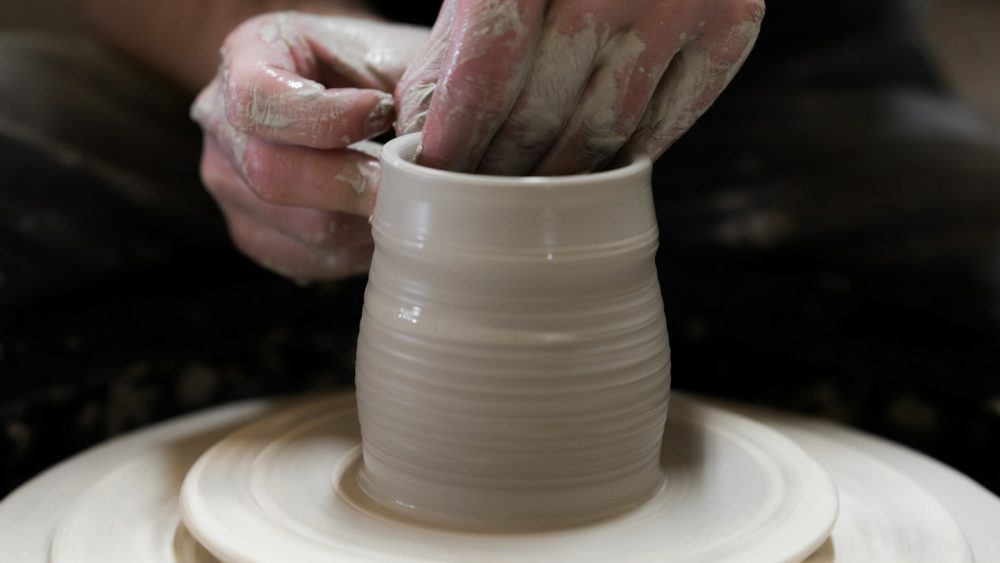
393	151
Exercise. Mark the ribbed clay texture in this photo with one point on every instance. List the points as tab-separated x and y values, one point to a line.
513	363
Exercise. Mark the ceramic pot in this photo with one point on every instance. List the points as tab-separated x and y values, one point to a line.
513	364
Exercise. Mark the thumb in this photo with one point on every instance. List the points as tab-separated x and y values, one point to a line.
270	74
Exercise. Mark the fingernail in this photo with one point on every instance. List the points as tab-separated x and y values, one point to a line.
380	118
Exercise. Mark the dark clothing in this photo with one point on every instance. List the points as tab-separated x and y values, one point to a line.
829	245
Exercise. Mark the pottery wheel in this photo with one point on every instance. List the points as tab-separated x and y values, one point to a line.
113	521
120	501
285	489
884	515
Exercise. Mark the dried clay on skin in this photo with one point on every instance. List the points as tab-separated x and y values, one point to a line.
550	91
494	19
367	54
360	178
599	117
602	112
678	101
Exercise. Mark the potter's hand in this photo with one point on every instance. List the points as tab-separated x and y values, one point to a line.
560	86
294	93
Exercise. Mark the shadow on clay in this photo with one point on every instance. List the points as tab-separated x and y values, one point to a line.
683	452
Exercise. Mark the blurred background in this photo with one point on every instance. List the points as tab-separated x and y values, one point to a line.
787	278
963	38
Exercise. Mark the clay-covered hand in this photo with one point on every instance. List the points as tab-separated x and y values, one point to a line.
560	86
282	122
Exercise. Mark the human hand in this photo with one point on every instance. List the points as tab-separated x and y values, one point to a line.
552	87
282	123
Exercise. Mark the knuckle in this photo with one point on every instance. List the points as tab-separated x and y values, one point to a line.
201	110
474	93
241	90
237	102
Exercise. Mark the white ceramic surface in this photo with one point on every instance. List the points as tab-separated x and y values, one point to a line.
513	364
30	515
885	516
133	513
285	489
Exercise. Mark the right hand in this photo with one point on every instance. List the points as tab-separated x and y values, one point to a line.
283	123
552	87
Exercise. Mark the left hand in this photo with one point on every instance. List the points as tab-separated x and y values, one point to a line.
551	87
284	124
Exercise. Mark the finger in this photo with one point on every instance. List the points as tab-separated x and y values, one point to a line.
331	180
209	111
289	175
629	68
290	258
696	76
567	51
309	226
484	68
269	80
416	88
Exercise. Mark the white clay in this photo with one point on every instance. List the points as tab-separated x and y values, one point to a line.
494	18
884	514
513	365
897	505
286	489
550	92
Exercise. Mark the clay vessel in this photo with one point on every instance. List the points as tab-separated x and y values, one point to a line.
513	364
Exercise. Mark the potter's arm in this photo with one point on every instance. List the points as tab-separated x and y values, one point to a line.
181	38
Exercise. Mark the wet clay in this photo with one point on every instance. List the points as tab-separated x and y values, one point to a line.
513	364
